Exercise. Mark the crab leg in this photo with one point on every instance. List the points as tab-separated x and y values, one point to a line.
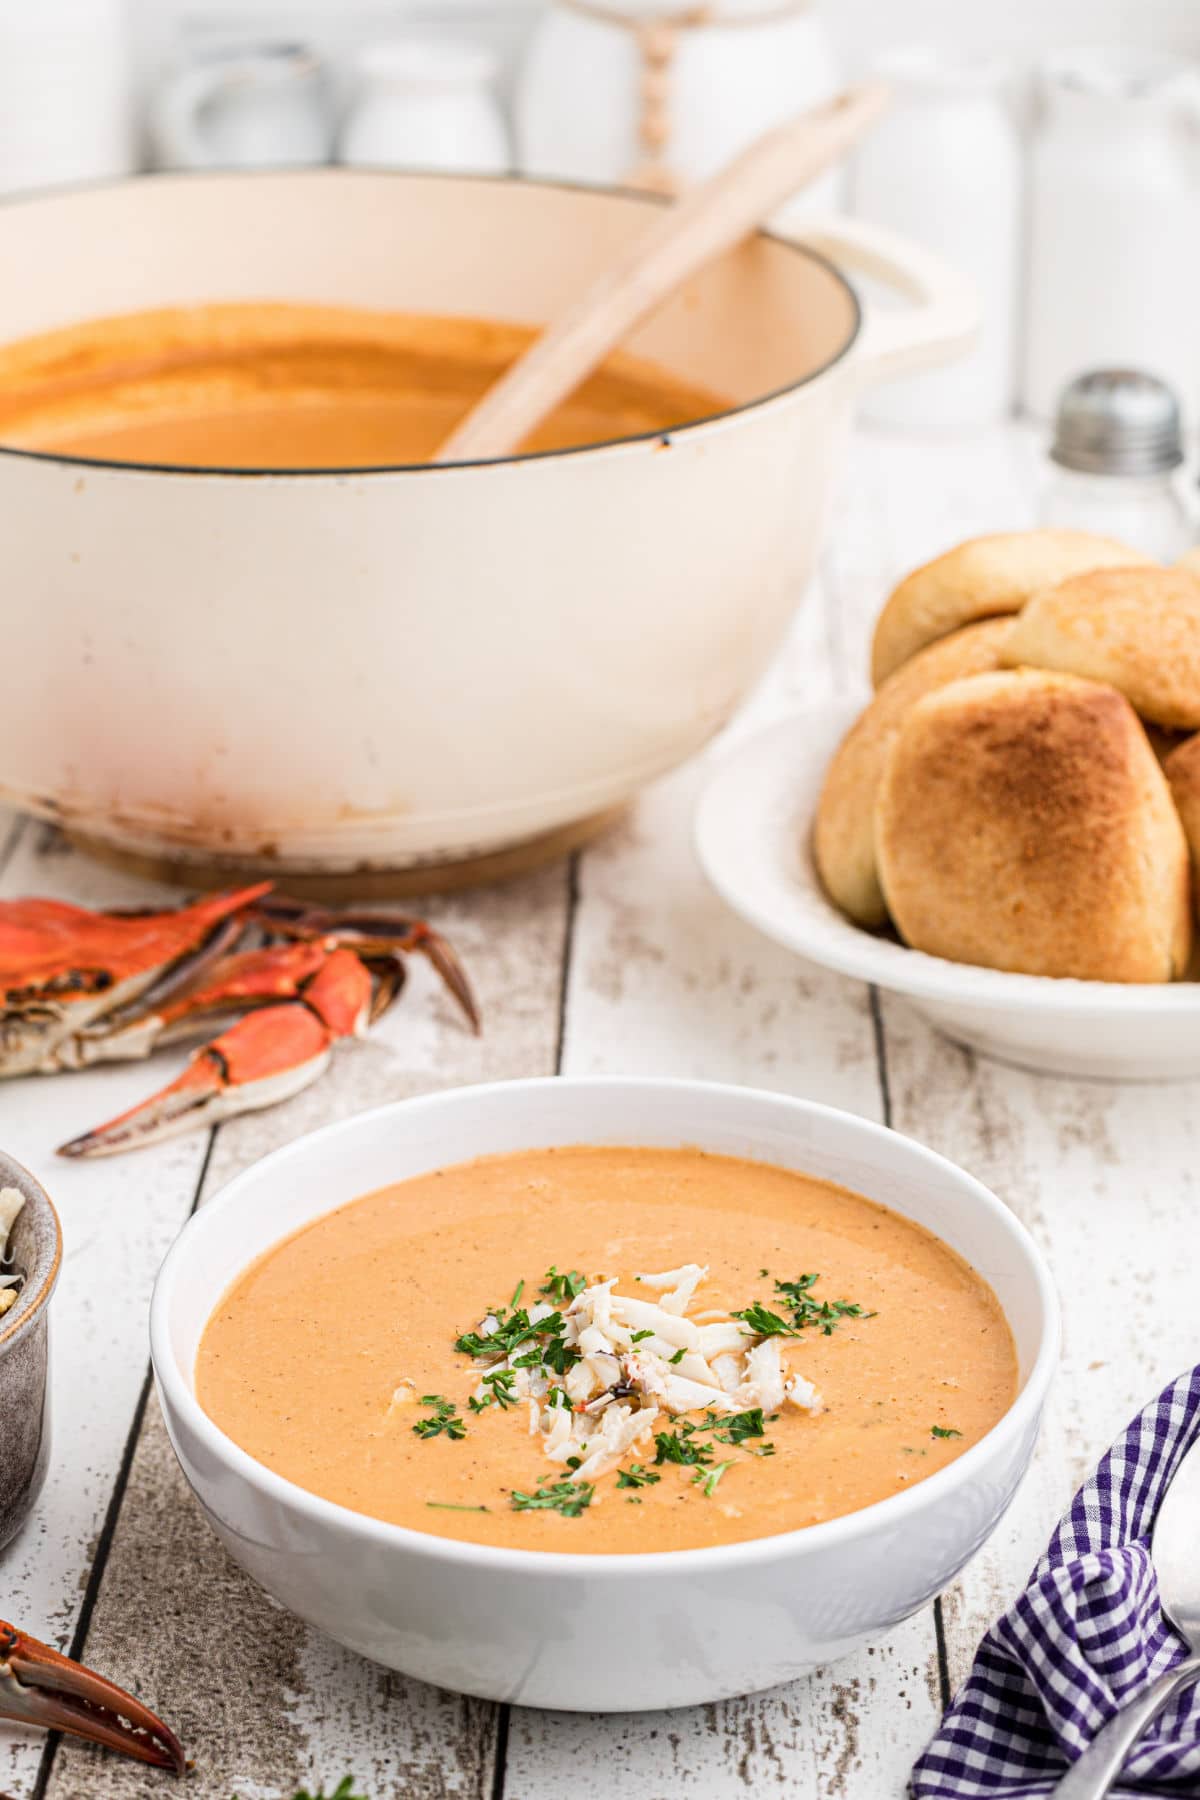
234	984
40	1687
266	1057
373	935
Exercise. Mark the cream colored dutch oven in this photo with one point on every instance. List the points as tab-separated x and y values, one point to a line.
327	672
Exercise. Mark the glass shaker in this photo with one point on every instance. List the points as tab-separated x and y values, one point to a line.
1117	445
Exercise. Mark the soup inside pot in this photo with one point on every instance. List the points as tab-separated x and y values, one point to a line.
282	386
607	1350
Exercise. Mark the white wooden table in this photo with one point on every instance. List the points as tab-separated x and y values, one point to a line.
622	961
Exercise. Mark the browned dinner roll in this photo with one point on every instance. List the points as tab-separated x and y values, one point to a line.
1183	773
1137	629
1023	823
844	839
1190	562
983	577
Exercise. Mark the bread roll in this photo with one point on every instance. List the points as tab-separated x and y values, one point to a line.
844	839
1138	629
981	578
1190	562
1183	773
1023	823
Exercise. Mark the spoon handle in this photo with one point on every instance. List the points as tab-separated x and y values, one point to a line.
1091	1777
709	220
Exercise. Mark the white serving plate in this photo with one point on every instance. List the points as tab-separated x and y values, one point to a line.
598	1633
753	833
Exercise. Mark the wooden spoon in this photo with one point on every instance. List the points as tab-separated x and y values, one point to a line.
709	220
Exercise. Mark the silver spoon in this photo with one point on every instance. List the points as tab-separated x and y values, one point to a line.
1175	1552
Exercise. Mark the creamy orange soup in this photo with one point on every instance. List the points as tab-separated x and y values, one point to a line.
288	386
333	1359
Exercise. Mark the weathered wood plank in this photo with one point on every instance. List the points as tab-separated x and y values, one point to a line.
263	1703
1106	1178
118	1221
663	981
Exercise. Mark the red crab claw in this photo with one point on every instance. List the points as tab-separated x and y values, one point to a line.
266	1057
376	936
40	1687
233	984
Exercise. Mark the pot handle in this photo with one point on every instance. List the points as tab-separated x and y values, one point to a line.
942	321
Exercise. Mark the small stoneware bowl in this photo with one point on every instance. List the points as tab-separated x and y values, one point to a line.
597	1633
35	1252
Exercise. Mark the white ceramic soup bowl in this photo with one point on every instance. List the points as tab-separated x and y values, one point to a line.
598	1633
339	671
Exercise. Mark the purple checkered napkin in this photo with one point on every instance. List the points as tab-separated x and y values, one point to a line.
1086	1635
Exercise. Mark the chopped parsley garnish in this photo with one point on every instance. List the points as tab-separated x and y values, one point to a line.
708	1483
944	1431
544	1338
569	1498
501	1391
559	1356
453	1506
509	1334
443	1418
517	1292
639	1337
563	1287
764	1323
679	1447
735	1428
558	1396
807	1314
636	1476
678	1356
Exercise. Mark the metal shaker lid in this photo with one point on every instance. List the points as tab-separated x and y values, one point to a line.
1118	422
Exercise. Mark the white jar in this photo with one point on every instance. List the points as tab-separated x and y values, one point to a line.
426	103
943	166
66	103
661	91
1115	223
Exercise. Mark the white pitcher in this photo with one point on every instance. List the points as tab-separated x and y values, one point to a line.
264	107
1115	225
944	167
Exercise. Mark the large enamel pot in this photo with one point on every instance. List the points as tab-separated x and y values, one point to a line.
331	671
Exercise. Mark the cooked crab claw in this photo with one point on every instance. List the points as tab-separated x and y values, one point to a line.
40	1687
266	1057
374	935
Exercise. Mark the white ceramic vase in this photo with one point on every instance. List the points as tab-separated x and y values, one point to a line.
944	167
1115	223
